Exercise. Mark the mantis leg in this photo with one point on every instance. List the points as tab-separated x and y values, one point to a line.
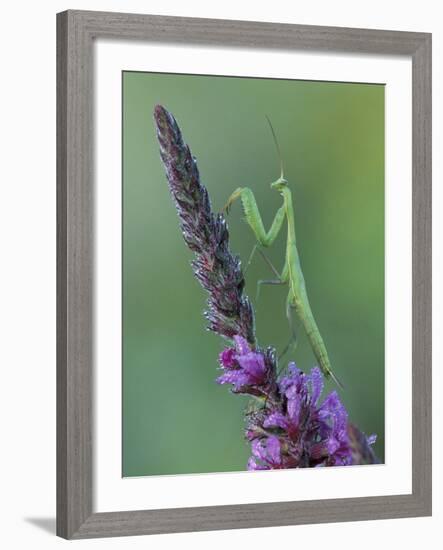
254	250
280	280
253	217
234	196
267	260
273	269
267	282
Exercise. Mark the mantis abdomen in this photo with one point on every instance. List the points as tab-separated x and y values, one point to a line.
298	299
304	312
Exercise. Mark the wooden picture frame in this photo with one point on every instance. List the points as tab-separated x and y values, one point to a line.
76	32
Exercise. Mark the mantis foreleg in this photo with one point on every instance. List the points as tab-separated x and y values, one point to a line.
253	216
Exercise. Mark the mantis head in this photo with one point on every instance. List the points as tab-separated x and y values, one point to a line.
281	183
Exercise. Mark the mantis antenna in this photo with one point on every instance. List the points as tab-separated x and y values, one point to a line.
277	146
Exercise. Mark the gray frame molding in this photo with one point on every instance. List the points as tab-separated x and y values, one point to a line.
76	31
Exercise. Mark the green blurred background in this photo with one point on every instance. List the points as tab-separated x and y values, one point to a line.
176	419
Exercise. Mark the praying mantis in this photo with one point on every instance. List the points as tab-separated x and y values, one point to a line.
292	274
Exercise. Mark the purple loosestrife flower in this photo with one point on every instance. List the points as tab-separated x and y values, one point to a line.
289	429
229	310
269	453
333	447
292	429
309	434
242	366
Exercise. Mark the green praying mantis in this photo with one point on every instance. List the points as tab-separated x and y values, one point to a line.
292	274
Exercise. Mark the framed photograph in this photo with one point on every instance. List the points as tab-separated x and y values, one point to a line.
244	274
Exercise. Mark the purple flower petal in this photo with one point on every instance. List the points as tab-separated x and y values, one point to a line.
241	345
257	449
273	449
235	377
294	408
316	385
290	379
332	445
276	419
253	465
227	358
254	365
